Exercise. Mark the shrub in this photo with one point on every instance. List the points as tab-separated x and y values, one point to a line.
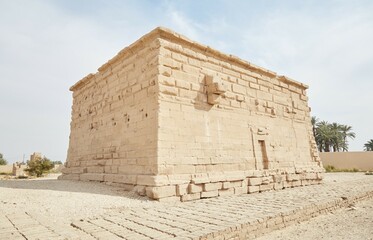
2	160
330	168
39	166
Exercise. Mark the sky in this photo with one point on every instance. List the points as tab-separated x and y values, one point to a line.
47	46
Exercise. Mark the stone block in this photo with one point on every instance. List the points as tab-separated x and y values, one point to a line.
305	182
210	194
95	169
212	186
238	89
278	185
266	187
141	190
227	185
267	180
168	90
182	189
216	177
195	188
179	178
169	199
200	178
293	177
319	176
252	189
310	176
183	84
161	192
92	177
255	181
240	190
296	183
190	197
277	178
149	180
236	183
226	192
235	175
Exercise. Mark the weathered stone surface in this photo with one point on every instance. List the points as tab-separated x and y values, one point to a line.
168	111
226	192
209	194
255	181
182	189
212	186
252	189
195	188
160	192
190	197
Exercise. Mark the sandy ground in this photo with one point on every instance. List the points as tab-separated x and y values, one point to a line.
355	222
64	201
61	202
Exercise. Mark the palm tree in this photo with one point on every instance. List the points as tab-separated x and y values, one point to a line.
346	133
314	122
331	136
324	136
369	145
337	136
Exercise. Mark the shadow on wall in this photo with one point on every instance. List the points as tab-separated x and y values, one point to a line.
69	186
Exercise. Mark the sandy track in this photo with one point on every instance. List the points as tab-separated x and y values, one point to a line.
355	222
64	201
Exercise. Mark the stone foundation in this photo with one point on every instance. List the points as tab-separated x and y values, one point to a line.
198	186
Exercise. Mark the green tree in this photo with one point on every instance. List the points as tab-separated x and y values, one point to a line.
369	145
39	166
337	138
346	133
3	161
324	136
331	136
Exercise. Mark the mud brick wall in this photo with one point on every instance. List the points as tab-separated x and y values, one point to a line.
176	120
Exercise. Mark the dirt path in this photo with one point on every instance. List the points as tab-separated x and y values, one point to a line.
355	222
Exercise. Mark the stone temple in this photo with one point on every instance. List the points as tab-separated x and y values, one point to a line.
173	119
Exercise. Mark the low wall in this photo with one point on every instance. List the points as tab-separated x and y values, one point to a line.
348	160
6	168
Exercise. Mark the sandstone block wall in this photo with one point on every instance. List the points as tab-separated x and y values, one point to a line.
114	120
177	120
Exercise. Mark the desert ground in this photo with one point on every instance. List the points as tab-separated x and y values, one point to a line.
354	222
55	204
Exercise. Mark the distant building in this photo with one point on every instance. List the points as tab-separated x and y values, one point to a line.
19	169
35	155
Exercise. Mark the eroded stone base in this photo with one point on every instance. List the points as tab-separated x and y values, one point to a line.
187	187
